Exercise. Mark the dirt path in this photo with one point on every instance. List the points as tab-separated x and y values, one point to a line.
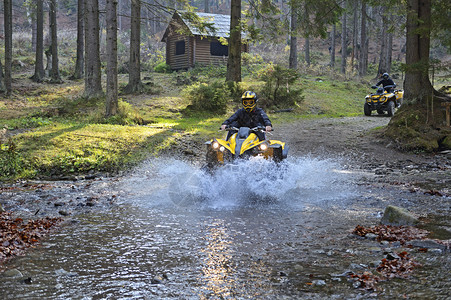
358	141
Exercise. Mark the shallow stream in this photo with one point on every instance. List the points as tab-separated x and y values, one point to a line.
249	231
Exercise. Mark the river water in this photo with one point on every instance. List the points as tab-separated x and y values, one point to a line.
249	231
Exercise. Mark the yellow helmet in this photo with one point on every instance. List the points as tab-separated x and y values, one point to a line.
249	100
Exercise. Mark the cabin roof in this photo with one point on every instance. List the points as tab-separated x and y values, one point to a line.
220	24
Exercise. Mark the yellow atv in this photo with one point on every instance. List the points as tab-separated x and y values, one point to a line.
384	100
243	143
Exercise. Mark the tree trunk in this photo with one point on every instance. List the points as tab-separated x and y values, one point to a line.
93	84
363	62
8	11
344	47
332	46
343	42
34	28
307	38
55	75
207	6
79	62
354	34
2	85
417	87
293	61
39	72
134	80
234	59
307	51
48	56
390	47
111	57
383	59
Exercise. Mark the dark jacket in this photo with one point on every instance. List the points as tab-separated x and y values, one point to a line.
385	82
255	118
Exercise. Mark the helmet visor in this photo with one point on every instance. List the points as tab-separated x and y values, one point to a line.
248	102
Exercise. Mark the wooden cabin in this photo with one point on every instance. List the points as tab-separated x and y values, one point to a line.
187	46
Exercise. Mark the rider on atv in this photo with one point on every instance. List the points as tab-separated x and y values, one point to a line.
249	116
386	81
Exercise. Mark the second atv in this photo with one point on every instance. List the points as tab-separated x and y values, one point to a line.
243	143
386	99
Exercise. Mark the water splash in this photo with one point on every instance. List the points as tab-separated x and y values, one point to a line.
296	182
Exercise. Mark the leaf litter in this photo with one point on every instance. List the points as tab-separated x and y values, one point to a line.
17	235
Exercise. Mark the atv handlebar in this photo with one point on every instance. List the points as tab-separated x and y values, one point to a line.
385	87
255	129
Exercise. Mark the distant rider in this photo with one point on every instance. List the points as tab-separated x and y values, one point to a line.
386	81
249	116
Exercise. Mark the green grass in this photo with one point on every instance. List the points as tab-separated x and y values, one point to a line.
65	148
59	133
333	99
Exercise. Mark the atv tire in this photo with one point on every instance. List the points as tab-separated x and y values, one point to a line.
367	109
391	108
380	112
277	154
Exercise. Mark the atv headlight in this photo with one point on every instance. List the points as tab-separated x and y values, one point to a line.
263	147
221	148
215	145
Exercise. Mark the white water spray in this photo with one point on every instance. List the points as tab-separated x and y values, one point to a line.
294	182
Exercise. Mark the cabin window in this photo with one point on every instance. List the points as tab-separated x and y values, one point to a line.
179	47
218	49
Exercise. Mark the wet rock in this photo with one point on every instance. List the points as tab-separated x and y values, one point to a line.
64	212
371	236
12	273
319	251
392	256
397	216
344	274
427	244
375	249
375	264
63	273
283	274
57	204
396	244
318	282
157	280
354	266
436	251
27	280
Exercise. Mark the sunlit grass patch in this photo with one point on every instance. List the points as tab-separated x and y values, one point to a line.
331	98
153	108
71	148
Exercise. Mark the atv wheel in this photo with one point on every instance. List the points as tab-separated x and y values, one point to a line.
367	109
391	108
380	111
277	154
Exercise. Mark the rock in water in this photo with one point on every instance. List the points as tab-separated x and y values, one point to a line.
397	216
